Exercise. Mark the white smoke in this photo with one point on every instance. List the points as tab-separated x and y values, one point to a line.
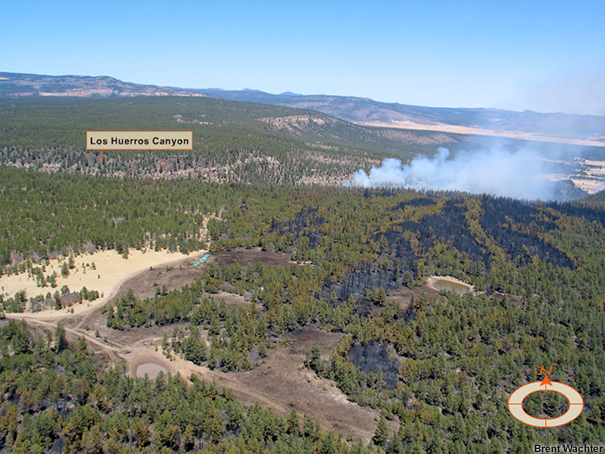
518	174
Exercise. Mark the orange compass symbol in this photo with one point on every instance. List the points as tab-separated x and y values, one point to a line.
515	401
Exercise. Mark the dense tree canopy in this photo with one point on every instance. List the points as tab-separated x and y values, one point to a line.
54	400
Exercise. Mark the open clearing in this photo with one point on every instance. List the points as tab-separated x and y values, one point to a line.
111	269
404	295
281	382
591	142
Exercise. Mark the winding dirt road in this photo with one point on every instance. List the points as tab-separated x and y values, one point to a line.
280	383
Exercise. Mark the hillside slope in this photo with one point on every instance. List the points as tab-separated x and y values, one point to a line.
233	141
366	111
18	85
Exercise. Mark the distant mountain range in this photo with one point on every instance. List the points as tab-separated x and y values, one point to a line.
15	84
496	122
554	127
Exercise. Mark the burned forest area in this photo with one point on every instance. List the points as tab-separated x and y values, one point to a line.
245	297
324	292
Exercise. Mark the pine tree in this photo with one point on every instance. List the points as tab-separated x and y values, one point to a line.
262	348
60	338
292	423
313	359
381	435
308	427
194	348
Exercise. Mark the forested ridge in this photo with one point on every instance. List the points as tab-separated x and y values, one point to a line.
537	270
233	141
44	213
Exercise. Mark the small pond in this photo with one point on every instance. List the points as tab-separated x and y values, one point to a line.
460	289
151	369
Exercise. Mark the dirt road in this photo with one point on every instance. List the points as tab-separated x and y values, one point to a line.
281	383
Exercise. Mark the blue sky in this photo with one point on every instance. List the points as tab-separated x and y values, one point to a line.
546	56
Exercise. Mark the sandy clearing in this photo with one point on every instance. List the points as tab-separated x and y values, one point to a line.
590	186
600	170
590	176
595	182
111	270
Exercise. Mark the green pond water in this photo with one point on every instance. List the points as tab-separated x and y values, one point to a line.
460	289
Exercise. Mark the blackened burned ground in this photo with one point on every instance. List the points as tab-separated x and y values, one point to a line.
448	226
518	228
582	210
250	256
374	357
514	240
451	227
418	202
304	224
367	276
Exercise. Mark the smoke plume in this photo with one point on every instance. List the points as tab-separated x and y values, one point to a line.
518	174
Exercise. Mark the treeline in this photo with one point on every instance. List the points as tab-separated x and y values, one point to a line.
46	213
249	166
57	300
54	399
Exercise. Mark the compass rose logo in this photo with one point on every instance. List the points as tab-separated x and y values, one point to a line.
515	401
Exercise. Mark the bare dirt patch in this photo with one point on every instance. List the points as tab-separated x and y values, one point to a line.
231	300
172	276
138	360
284	378
150	370
111	270
280	383
404	295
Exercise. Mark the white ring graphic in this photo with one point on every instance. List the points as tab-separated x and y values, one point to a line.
515	404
